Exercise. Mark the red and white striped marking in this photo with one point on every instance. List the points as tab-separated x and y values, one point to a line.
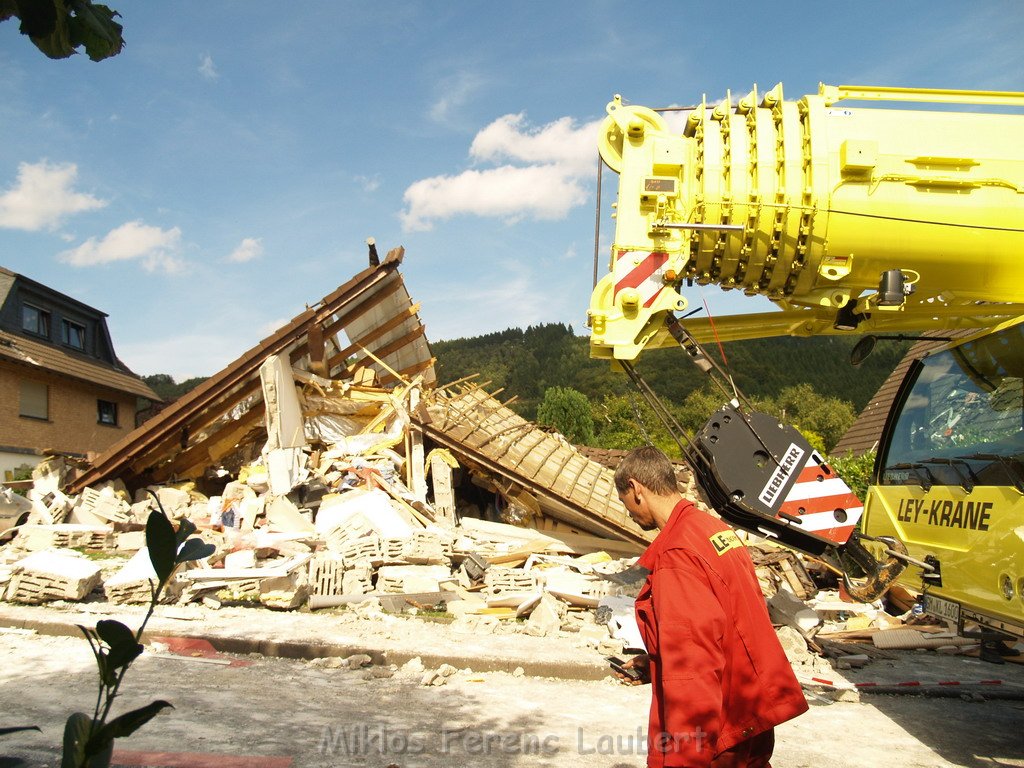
641	270
817	496
900	684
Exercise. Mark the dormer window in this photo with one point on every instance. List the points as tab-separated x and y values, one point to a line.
72	334
35	320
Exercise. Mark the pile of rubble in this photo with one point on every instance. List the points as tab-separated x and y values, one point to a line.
322	517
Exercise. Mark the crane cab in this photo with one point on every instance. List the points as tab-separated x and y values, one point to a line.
949	478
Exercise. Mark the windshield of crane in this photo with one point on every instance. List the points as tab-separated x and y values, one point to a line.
961	422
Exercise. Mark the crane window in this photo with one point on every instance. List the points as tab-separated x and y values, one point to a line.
963	418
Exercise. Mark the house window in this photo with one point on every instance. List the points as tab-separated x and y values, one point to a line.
72	334
35	320
107	412
35	401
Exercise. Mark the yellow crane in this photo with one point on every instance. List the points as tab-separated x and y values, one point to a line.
852	218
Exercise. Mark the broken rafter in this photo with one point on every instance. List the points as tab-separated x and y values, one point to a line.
389	348
372	336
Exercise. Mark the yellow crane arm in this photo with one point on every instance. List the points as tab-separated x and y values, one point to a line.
850	219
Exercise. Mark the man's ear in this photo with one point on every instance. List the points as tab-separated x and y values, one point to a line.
635	488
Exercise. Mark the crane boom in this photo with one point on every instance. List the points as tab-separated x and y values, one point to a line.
847	218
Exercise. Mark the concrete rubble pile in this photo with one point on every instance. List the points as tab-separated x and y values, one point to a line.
323	516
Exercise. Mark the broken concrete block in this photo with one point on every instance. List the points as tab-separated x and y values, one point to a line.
173	500
35	538
133	582
576	588
52	575
353	527
610	646
283	515
130	541
357	580
48	507
411	578
786	608
439	676
853	661
793	644
546	618
469	605
104	505
374	505
357	660
426	548
366	551
325	576
498	579
413	666
284	592
469	624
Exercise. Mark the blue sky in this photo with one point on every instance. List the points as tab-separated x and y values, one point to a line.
227	167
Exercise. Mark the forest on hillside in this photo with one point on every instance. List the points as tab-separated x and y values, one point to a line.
808	381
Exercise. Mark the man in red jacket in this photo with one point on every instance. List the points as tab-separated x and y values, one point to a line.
720	680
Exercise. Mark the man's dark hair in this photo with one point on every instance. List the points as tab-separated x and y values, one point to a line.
649	467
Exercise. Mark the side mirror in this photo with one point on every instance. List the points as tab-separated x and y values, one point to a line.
862	349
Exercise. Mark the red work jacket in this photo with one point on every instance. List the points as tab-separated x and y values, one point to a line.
718	673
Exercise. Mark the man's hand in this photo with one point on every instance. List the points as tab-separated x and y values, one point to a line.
641	663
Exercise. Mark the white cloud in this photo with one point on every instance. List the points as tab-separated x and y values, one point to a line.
555	162
43	196
510	193
561	142
368	183
456	91
156	248
207	68
250	248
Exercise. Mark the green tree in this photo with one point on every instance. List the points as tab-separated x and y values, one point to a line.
165	386
568	411
626	421
856	471
59	28
811	411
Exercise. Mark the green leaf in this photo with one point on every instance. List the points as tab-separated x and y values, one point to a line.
39	18
162	544
185	529
76	736
8	8
194	549
124	649
17	728
114	633
93	26
127	724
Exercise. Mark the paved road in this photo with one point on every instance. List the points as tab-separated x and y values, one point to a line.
307	714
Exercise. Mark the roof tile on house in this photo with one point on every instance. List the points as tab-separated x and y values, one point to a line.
53	359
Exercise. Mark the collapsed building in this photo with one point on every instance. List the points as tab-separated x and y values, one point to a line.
329	466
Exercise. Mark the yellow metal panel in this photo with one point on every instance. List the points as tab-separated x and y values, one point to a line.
976	537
